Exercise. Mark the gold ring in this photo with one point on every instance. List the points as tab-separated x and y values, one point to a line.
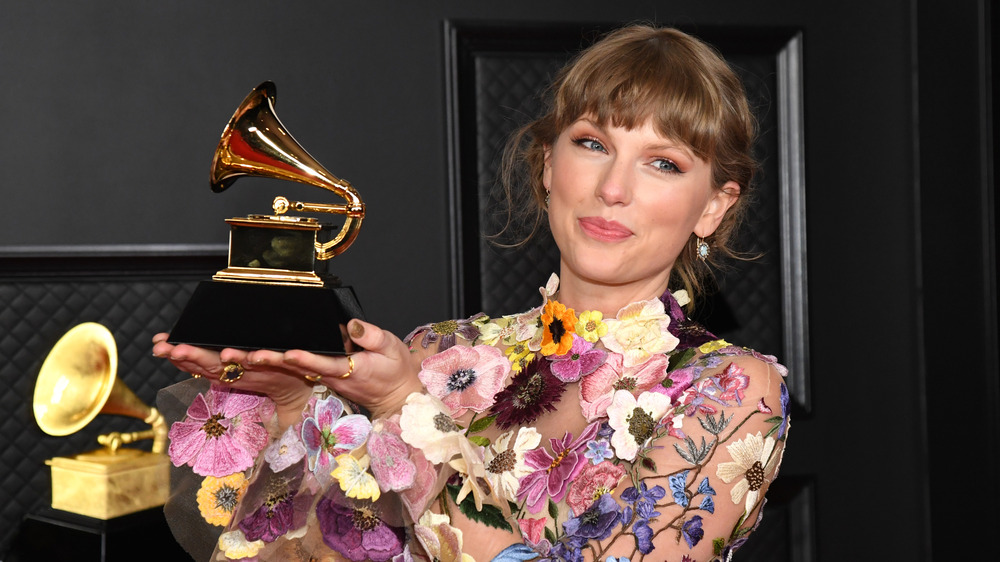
350	368
196	375
231	372
313	378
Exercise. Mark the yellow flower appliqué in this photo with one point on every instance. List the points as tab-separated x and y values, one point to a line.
711	346
354	478
218	497
591	326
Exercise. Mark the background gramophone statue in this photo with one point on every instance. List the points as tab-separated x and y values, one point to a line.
277	292
77	382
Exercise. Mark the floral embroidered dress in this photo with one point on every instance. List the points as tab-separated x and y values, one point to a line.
547	435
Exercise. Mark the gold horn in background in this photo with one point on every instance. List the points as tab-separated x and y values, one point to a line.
77	382
277	291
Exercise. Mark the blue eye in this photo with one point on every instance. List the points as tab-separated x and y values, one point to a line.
665	165
590	144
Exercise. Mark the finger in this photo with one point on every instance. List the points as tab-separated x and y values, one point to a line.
161	337
369	336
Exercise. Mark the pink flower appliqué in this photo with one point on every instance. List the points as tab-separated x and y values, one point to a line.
552	474
390	456
465	378
591	483
326	434
581	360
597	389
222	433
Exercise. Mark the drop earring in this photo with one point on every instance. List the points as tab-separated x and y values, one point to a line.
702	249
547	194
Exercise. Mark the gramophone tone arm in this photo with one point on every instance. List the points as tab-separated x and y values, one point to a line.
354	210
115	440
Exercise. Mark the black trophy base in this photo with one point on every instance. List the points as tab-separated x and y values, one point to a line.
52	534
256	316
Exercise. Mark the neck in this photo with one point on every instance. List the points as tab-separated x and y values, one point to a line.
583	294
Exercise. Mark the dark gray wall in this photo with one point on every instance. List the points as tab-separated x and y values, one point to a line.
111	110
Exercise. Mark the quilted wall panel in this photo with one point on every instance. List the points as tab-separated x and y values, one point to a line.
34	314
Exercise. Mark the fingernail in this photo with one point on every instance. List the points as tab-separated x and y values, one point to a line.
357	330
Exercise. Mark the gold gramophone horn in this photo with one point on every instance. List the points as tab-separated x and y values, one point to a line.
255	143
77	382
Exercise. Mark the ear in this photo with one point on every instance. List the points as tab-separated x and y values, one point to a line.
715	209
547	169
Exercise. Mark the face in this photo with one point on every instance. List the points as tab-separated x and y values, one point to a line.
623	203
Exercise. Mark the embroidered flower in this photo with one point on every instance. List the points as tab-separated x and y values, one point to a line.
553	472
559	324
426	425
677	381
419	494
634	421
590	326
784	412
446	332
440	540
272	519
581	360
286	451
465	378
327	434
218	497
639	331
502	329
531	393
519	356
222	433
356	530
598	450
692	532
532	528
641	504
713	346
505	463
752	462
234	545
390	460
469	467
593	482
597	522
597	389
354	479
730	384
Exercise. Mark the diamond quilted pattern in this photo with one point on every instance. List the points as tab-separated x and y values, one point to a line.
33	315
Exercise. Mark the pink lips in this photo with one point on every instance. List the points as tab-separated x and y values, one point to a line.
604	230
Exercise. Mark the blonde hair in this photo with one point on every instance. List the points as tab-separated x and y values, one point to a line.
634	75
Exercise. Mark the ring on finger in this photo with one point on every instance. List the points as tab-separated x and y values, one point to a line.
350	368
313	378
231	372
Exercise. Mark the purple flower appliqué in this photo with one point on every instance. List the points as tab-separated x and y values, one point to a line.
446	332
222	433
552	474
356	530
692	531
326	434
581	360
596	522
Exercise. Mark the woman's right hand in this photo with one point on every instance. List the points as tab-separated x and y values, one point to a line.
384	371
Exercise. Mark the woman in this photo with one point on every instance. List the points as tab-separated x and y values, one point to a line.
601	425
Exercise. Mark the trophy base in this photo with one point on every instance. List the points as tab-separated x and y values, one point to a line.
257	316
105	485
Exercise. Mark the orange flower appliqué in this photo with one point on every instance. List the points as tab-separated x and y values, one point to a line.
560	325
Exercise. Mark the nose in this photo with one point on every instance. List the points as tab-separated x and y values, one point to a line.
614	184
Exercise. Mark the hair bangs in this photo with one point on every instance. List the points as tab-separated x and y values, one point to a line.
642	84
